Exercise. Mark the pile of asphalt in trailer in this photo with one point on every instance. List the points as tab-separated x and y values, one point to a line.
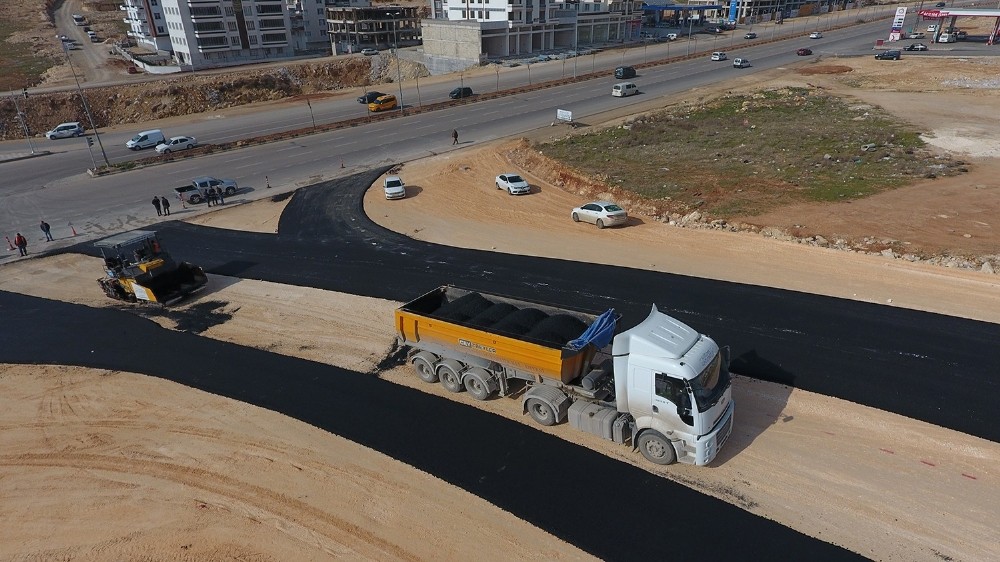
477	311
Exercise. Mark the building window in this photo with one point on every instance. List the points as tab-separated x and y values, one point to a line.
229	11
159	29
253	39
319	11
252	25
232	26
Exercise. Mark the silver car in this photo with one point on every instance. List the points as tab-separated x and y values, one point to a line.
513	183
64	130
394	187
601	213
176	143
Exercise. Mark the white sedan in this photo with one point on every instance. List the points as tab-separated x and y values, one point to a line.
176	143
601	213
513	183
815	35
394	188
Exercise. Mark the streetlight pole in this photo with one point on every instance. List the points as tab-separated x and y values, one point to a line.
20	117
497	69
395	48
86	108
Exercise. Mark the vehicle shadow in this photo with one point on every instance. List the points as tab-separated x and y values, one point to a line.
413	190
761	393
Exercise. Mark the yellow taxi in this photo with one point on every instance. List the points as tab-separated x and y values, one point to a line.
383	103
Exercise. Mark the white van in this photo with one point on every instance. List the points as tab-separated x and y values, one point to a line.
947	38
145	139
622	89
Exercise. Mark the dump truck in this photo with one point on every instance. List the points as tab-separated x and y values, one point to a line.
659	386
138	269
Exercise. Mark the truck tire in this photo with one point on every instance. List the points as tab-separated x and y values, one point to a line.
195	199
541	412
423	364
656	448
477	383
448	372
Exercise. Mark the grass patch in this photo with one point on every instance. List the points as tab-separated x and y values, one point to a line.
748	154
19	65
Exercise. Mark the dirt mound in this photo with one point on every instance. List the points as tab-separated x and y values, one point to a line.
824	69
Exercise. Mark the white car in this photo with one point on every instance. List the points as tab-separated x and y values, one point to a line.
64	130
931	28
369	52
601	213
513	183
393	186
815	35
176	143
718	55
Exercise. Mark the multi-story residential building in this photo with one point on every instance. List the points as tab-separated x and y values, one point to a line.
351	29
308	19
147	27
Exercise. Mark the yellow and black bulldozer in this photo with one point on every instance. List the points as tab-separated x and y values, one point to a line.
138	269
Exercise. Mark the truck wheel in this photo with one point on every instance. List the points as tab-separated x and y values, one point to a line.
656	448
422	364
476	385
195	199
450	379
541	412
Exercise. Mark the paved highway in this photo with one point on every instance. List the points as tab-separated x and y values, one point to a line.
56	186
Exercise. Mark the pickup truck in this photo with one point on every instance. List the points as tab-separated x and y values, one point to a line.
197	191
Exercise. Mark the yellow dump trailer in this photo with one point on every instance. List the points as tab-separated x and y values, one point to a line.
661	385
528	338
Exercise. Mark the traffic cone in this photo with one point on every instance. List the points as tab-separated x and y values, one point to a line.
73	228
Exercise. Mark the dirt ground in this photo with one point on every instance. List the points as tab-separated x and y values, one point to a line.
199	476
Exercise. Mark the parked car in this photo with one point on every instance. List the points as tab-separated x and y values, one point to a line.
961	35
889	55
625	72
750	35
804	52
394	187
741	63
931	28
383	103
601	213
917	35
940	5
369	52
718	55
671	36
370	97
815	35
915	47
947	38
64	130
79	20
513	183
462	92
176	143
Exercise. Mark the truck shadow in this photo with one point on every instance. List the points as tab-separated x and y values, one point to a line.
761	394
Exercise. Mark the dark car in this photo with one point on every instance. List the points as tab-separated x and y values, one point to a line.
460	93
625	72
915	47
750	35
889	55
369	97
940	5
804	52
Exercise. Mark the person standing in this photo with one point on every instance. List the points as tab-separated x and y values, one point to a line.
156	204
166	205
221	195
22	244
47	230
454	136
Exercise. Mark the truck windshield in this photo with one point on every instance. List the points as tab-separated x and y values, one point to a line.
709	386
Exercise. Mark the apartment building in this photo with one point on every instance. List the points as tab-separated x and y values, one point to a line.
146	25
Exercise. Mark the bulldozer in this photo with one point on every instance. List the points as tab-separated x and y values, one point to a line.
138	269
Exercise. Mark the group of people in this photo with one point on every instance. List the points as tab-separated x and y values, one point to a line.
215	196
162	206
22	243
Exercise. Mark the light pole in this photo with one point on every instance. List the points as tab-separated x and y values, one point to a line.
20	117
311	116
395	50
420	104
86	108
529	72
497	69
690	32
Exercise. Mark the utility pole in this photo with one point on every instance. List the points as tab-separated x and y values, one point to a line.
86	108
395	48
20	117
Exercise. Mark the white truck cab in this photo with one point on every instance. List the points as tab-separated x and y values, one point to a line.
677	388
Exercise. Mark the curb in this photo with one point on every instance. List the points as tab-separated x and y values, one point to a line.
23	156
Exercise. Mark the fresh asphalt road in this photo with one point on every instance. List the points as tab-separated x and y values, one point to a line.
921	365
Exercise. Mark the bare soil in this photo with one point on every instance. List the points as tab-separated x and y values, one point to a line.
198	476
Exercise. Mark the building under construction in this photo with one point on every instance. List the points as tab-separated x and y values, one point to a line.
354	28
